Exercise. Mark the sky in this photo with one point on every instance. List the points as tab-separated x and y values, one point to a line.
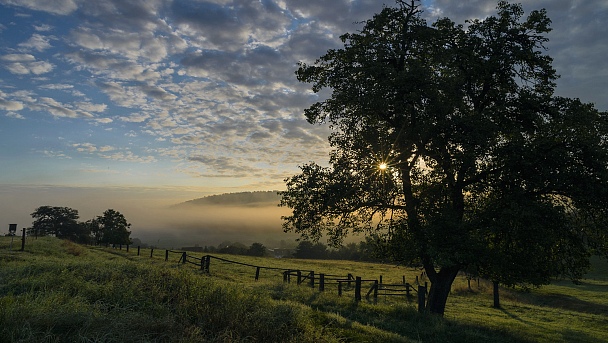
139	104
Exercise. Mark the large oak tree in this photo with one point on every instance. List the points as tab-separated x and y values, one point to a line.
451	149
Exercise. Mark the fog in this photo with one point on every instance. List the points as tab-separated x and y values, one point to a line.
153	214
213	224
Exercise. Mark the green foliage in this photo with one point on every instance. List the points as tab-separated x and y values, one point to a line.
257	249
112	228
58	221
307	249
451	150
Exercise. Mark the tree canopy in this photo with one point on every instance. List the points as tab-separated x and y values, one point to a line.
61	222
450	148
113	228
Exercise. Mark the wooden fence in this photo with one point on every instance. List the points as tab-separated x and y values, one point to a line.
345	283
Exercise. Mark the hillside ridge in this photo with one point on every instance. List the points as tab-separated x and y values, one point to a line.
253	199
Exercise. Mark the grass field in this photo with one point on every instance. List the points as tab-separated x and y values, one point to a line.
57	291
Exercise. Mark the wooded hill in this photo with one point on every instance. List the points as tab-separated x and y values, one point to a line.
253	199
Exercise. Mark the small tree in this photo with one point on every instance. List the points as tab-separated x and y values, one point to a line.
257	249
112	228
308	249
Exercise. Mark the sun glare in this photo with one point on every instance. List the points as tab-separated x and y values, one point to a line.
382	166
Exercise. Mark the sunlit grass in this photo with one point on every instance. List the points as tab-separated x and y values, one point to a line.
58	291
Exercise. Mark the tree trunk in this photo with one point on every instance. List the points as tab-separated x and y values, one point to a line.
441	285
496	294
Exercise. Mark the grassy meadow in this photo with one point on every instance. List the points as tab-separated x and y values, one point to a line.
57	291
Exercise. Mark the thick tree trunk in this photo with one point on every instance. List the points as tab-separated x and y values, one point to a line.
441	285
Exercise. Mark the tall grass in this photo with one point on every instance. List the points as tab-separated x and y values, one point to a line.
57	291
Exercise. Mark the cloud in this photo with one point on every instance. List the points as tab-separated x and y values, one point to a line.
9	105
23	64
36	42
61	7
112	153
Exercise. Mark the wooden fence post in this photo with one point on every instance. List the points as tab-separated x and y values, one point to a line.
376	290
184	257
404	279
151	252
421	298
358	288
496	295
23	240
321	282
312	279
207	263
120	246
127	247
299	277
138	248
407	289
167	255
285	278
380	279
257	273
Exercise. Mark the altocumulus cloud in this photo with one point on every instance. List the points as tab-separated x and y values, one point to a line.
207	88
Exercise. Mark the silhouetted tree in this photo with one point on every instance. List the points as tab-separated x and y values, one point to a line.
58	221
256	249
307	249
112	228
449	145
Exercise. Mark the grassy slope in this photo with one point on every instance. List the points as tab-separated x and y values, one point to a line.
57	291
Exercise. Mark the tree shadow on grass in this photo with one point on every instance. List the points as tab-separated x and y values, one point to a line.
566	302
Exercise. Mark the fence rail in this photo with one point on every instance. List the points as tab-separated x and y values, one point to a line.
315	280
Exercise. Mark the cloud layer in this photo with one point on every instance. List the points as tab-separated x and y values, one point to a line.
209	86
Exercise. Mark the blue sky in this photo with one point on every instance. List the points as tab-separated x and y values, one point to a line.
174	100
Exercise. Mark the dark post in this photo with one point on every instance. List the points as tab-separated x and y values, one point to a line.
138	249
299	277
120	246
312	279
380	279
166	255
207	263
375	289
127	247
404	279
407	290
285	276
151	252
339	288
184	257
496	295
358	288
23	240
257	273
321	282
421	298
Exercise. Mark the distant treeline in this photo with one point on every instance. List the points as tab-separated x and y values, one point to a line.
362	251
